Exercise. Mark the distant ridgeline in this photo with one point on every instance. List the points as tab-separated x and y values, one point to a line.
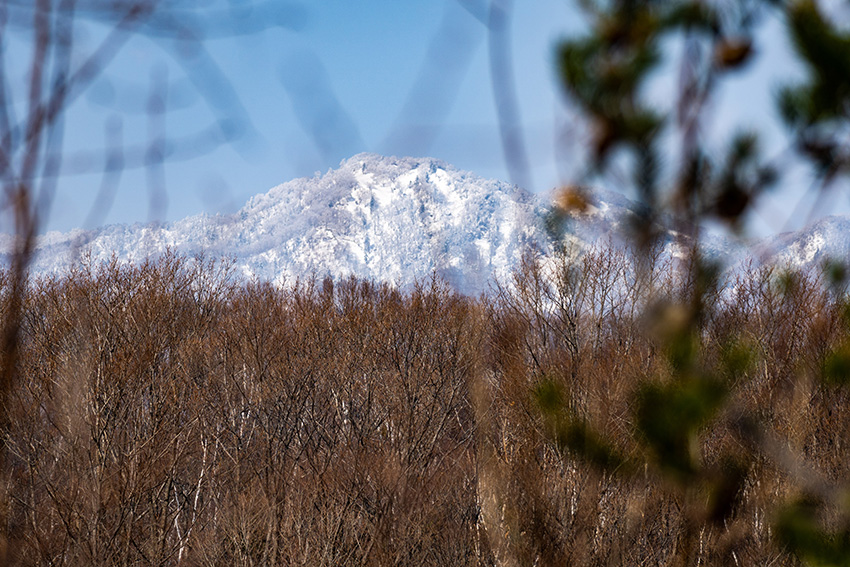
399	220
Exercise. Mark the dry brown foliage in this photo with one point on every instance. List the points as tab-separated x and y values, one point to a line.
171	414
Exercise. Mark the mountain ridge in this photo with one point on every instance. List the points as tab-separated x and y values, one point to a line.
385	218
396	220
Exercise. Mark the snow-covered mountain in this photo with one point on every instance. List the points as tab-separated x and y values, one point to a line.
810	247
398	220
384	218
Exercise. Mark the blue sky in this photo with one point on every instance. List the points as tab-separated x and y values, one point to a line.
342	77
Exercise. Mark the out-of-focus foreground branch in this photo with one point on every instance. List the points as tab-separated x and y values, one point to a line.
59	68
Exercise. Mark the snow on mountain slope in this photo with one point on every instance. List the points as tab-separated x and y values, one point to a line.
399	220
389	219
810	247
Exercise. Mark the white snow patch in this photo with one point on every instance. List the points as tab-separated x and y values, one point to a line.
443	183
407	179
383	194
484	248
364	179
812	246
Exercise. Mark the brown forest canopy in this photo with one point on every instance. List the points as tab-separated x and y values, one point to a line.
169	414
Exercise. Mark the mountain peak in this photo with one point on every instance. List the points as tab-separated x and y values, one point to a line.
368	161
380	217
395	220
